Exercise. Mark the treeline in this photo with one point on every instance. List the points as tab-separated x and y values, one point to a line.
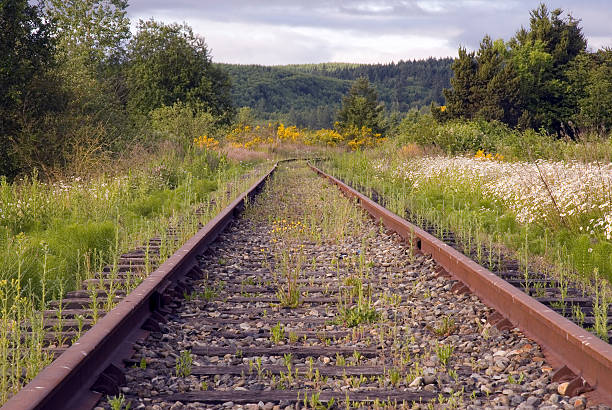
310	95
542	78
75	84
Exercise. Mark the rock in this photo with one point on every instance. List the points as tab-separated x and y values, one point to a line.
554	398
429	379
251	407
418	381
486	389
516	399
578	403
552	387
562	388
177	406
503	400
430	388
533	401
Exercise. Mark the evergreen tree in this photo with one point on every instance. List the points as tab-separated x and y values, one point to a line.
360	108
496	95
542	55
460	98
522	83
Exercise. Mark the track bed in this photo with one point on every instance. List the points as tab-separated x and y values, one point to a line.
305	300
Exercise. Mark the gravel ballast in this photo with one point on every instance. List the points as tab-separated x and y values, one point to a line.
306	295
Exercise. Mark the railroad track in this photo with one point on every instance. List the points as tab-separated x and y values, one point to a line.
303	300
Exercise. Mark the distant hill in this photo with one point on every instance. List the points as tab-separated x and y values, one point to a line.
310	94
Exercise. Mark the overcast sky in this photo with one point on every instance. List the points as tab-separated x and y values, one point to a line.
368	31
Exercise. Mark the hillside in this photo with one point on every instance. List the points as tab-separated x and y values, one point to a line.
310	94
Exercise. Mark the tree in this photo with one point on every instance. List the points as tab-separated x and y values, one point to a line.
168	64
26	47
523	82
496	96
91	37
459	98
92	32
542	55
360	108
590	76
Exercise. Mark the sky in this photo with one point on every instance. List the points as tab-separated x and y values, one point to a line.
271	32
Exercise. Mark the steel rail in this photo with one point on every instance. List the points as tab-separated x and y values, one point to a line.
584	354
66	382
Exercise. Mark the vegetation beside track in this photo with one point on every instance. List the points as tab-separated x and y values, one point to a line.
551	216
56	235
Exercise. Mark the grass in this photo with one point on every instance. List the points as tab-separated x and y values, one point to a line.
55	235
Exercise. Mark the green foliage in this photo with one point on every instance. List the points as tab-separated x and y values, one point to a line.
66	79
525	82
356	315
26	47
168	64
360	108
454	136
182	123
590	75
183	364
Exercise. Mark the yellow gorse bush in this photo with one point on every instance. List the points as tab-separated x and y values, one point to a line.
291	133
363	137
204	141
480	154
245	136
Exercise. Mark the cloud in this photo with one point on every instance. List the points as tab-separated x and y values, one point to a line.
299	31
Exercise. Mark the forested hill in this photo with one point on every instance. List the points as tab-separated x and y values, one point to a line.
310	94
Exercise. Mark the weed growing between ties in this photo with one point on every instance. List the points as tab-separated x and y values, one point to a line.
311	211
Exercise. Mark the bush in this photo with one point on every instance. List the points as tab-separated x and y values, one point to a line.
453	137
182	123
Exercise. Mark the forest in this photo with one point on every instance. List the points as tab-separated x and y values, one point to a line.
310	95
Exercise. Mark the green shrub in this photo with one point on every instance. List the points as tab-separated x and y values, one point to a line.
151	205
182	122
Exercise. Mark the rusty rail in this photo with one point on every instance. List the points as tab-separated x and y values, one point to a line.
583	354
95	358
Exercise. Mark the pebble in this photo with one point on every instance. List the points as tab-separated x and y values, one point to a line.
562	388
418	381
